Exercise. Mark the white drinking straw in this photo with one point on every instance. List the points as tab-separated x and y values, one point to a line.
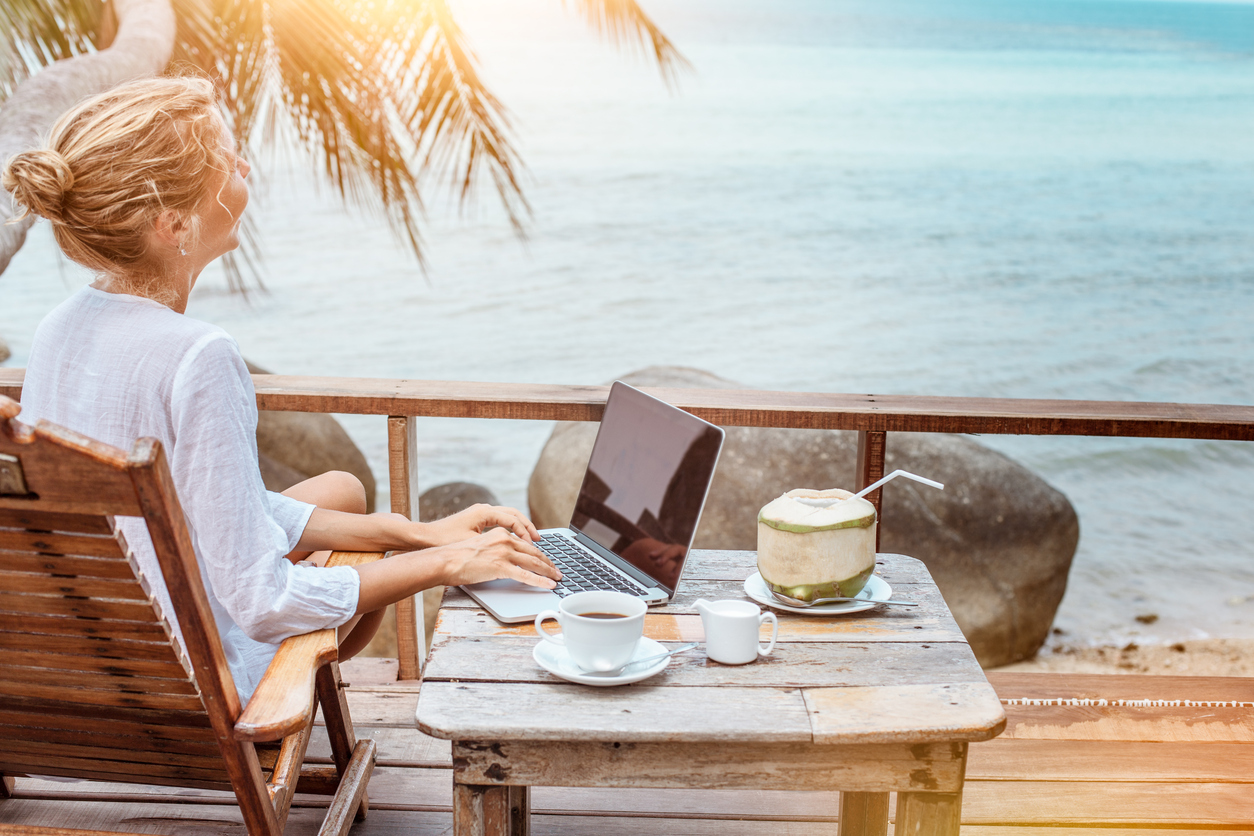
827	502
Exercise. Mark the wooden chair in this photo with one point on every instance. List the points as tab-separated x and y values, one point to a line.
92	683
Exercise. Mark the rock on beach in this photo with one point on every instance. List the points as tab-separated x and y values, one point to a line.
998	540
5	354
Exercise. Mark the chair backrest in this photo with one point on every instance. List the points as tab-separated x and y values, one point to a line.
92	682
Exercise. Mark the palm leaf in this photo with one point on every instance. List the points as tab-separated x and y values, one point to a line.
624	22
34	33
384	95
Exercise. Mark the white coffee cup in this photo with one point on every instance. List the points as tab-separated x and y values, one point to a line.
600	630
731	630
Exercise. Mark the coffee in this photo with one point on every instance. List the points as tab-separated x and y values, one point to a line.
602	615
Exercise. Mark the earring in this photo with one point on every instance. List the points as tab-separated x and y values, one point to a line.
181	250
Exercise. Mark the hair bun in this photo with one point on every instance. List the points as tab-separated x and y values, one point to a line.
38	180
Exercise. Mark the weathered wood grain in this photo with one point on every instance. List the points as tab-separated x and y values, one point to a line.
928	814
792	665
106	648
284	699
54	625
864	814
872	626
731	407
103	680
796	766
1221	725
1100	761
52	543
85	607
352	793
411	644
80	587
101	696
905	713
1011	685
57	564
170	669
399	747
43	521
640	713
1110	804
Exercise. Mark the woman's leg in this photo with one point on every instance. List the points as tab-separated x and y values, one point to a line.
338	491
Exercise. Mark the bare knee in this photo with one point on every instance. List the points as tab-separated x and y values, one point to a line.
348	493
334	490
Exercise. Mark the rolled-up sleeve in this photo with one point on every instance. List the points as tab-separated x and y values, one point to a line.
241	531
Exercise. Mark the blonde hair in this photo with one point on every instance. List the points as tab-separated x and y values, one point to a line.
115	162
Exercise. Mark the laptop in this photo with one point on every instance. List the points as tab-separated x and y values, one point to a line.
636	513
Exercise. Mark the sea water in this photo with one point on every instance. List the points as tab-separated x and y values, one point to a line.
984	198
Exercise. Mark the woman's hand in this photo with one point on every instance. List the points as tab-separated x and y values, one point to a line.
483	557
496	554
477	519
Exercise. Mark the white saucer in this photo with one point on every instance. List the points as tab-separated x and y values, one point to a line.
876	589
554	659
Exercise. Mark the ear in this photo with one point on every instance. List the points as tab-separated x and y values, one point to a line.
170	229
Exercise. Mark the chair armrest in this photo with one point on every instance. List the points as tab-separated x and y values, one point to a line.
284	700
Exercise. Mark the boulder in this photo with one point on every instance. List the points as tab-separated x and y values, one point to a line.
998	540
5	354
292	446
445	500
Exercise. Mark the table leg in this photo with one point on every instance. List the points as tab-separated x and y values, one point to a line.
520	811
928	813
864	814
480	811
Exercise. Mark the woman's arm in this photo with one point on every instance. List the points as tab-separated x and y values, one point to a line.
383	532
484	557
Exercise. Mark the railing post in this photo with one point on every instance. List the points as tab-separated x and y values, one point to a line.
870	468
411	638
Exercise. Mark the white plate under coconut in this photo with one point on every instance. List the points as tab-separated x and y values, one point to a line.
876	590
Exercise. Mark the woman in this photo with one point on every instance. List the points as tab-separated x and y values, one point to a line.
143	186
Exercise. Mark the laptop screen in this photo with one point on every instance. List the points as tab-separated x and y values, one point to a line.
646	482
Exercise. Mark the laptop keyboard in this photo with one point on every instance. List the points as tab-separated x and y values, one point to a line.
581	571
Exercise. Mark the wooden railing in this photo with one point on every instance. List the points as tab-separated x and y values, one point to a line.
872	416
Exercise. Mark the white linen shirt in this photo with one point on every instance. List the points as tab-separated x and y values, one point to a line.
117	368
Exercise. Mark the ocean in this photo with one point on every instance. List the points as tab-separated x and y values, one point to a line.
984	198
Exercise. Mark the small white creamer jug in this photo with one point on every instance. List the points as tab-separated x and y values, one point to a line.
731	630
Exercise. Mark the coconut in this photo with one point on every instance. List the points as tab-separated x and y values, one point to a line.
812	546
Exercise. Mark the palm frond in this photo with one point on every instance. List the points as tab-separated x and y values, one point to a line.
625	22
34	33
385	95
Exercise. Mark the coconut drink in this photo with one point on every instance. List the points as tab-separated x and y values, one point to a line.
810	546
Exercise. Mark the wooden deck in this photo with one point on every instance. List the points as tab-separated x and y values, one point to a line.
1039	789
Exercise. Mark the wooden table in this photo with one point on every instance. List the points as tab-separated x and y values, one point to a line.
884	701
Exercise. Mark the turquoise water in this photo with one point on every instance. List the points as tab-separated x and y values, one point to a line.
1019	198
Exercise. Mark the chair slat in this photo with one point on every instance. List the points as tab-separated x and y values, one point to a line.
123	742
115	568
103	648
96	680
156	669
64	626
165	725
103	774
84	587
100	696
41	749
90	545
44	521
105	770
88	607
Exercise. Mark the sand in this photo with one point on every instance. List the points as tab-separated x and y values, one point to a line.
1202	657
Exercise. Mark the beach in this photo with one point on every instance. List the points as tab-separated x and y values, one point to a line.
1016	199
